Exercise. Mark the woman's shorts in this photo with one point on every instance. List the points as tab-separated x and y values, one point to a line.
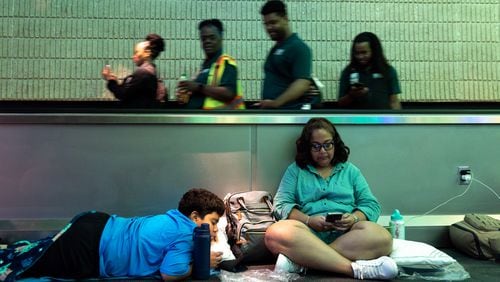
328	237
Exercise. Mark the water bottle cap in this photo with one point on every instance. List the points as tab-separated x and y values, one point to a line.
396	215
202	230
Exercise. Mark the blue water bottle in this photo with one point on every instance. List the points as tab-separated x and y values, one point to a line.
201	252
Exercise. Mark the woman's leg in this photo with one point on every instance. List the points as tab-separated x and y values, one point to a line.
366	240
294	239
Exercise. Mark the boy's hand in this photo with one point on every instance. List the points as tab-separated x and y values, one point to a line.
215	259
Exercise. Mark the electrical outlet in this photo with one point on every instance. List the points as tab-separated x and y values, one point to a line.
464	175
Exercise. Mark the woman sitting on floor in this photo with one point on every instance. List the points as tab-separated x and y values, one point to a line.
322	181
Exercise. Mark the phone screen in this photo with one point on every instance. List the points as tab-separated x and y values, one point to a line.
333	216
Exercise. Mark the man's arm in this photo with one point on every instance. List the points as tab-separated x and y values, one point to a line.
347	94
227	86
353	94
394	102
225	92
220	93
345	101
293	92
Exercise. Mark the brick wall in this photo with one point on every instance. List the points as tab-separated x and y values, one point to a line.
55	49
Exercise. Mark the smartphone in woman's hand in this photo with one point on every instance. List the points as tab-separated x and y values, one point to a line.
333	216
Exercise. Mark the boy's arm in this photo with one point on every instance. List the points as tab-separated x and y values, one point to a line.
167	277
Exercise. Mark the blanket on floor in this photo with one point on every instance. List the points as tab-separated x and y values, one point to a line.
18	257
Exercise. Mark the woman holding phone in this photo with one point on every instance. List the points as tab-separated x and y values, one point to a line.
319	182
368	82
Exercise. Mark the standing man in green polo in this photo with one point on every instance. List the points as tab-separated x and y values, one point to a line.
288	65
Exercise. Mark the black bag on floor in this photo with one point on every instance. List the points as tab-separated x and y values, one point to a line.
249	214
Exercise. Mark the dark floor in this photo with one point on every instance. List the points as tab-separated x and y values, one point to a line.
479	270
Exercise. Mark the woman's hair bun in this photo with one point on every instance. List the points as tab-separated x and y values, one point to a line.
156	44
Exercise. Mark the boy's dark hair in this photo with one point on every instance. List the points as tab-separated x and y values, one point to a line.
274	6
212	22
156	44
378	61
201	201
304	157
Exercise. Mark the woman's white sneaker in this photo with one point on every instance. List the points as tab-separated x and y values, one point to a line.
284	264
381	268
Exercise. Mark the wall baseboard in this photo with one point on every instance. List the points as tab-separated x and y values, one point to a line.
430	229
428	220
13	230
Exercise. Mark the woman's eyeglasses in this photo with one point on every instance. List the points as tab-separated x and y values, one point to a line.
316	147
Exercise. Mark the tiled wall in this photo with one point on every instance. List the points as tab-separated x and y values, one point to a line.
444	50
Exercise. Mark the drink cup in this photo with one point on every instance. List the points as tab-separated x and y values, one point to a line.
182	96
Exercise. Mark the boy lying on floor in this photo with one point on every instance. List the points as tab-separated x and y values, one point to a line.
95	244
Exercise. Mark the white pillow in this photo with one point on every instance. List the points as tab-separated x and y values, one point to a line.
221	245
418	255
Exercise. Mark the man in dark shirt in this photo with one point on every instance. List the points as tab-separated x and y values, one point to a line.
288	65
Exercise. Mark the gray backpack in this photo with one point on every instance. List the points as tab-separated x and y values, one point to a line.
249	214
478	235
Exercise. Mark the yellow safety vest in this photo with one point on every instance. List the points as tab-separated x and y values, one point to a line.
214	77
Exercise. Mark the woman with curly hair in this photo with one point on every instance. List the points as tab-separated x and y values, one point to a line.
321	181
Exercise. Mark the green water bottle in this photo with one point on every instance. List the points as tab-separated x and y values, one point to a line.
397	225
